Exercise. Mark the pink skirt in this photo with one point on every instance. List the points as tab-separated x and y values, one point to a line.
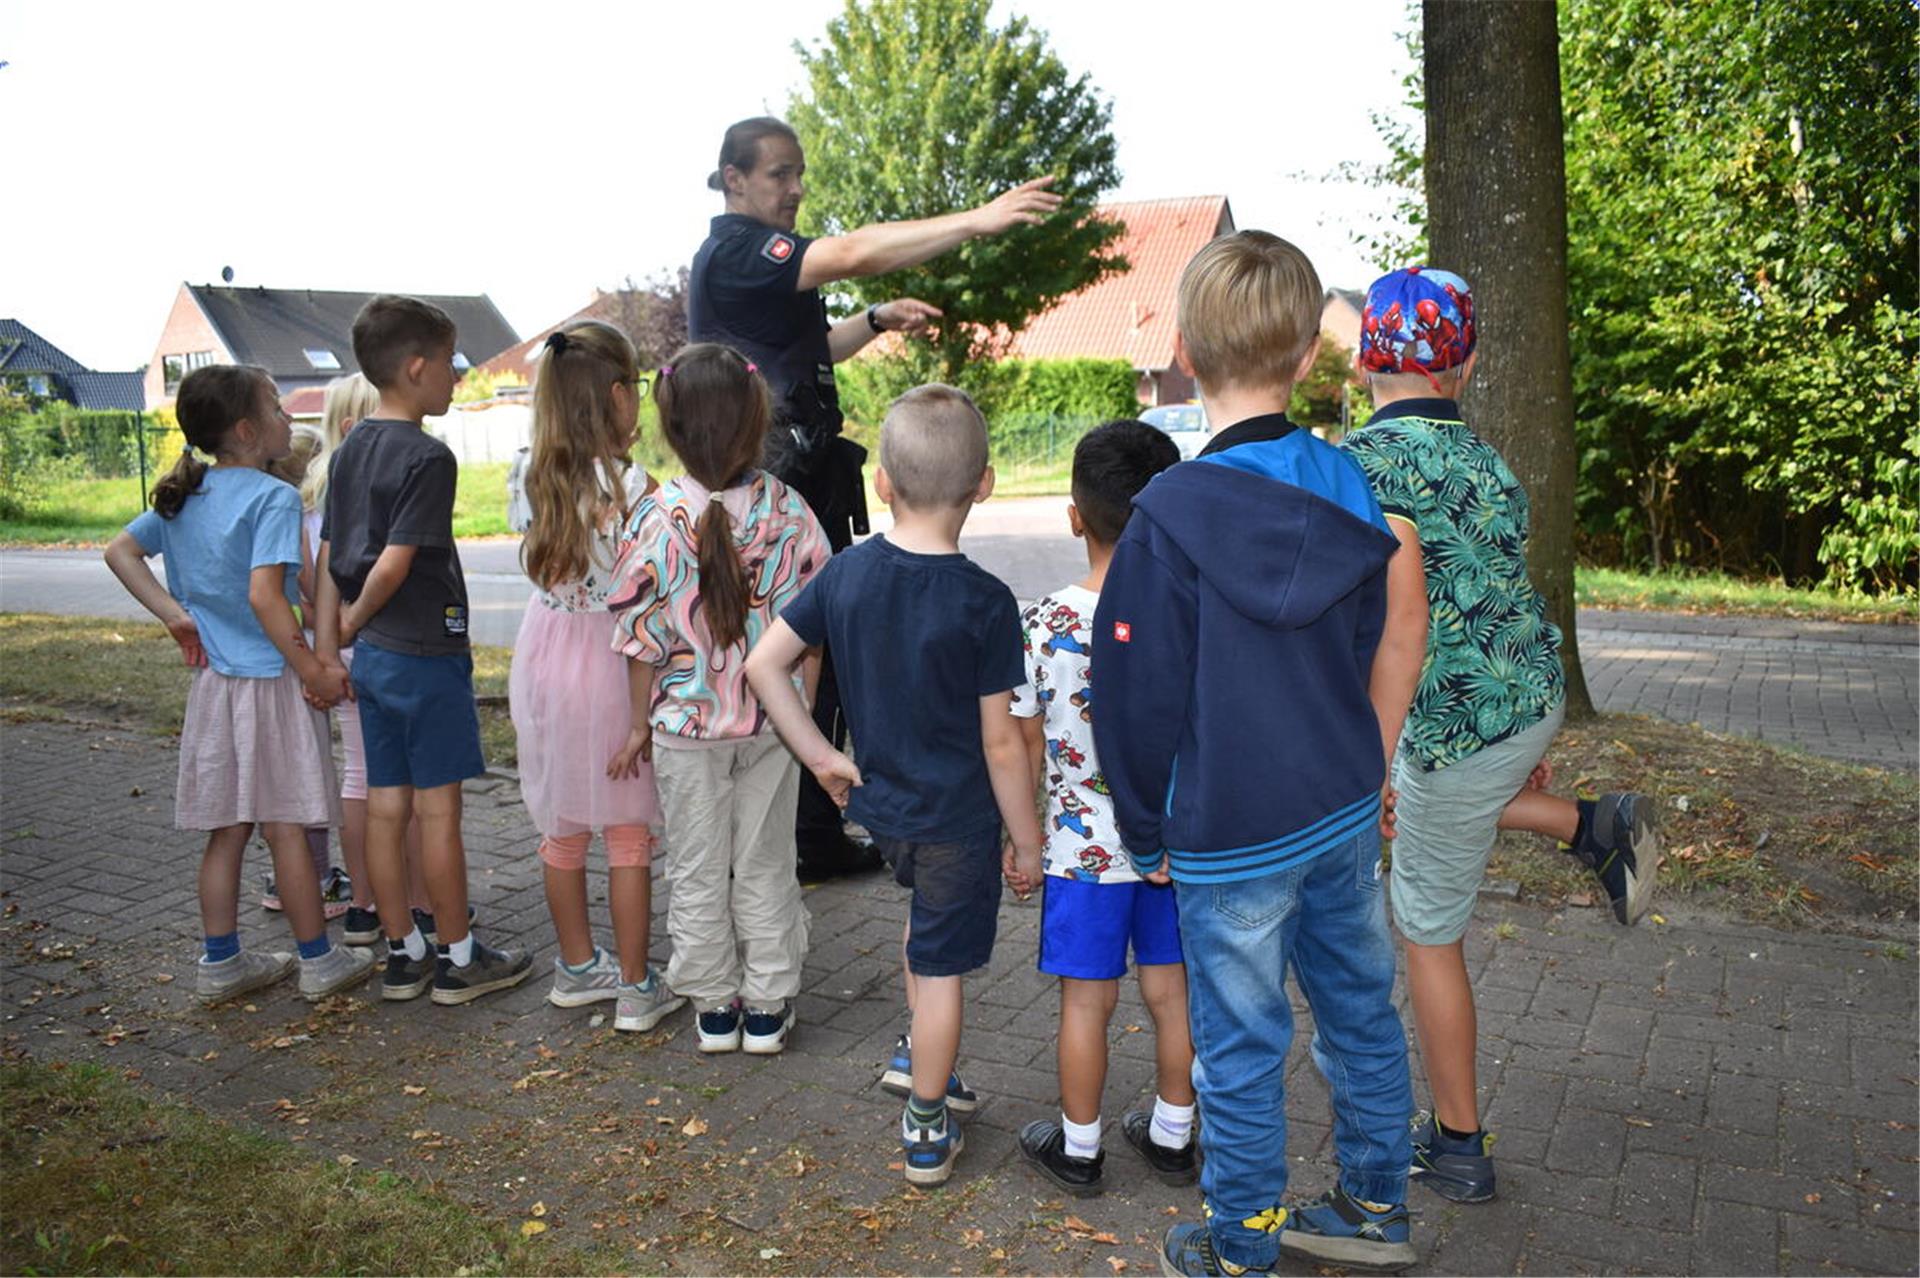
253	750
567	691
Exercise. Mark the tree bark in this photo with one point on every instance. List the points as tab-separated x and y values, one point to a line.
1497	214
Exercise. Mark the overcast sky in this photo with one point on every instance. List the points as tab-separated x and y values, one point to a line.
534	151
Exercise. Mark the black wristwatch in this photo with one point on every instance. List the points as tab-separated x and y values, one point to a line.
873	319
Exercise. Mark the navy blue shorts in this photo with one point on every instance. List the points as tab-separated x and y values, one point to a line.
1085	927
417	717
956	900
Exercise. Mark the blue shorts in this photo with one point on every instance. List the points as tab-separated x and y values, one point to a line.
1085	927
956	900
417	717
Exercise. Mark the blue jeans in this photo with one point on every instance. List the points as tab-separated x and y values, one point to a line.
1328	919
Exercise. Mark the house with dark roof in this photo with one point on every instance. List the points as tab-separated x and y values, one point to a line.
31	365
302	336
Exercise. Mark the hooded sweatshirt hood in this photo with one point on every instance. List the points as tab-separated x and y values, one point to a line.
1233	645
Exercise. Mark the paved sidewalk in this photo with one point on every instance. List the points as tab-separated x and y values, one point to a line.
1700	1097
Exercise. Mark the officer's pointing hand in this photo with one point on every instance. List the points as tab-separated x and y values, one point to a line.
907	315
1028	203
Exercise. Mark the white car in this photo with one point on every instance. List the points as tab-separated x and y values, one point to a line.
1185	424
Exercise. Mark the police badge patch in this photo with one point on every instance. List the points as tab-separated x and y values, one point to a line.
778	248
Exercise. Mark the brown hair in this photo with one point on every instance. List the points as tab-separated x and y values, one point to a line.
579	447
933	446
714	412
390	330
1249	311
209	403
741	146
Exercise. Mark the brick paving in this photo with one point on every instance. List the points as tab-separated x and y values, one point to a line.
1701	1097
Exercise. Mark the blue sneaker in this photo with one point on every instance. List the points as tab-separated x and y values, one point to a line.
765	1033
928	1152
1458	1170
719	1029
1337	1229
897	1080
1187	1250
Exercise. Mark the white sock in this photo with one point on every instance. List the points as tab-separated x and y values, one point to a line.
1172	1125
1083	1139
461	951
415	944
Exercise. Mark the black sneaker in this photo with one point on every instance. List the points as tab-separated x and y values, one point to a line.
1169	1166
835	857
1044	1144
362	927
405	977
1622	848
1458	1170
423	919
490	970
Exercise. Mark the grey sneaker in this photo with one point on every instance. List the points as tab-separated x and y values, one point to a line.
245	971
333	971
600	982
490	970
641	1007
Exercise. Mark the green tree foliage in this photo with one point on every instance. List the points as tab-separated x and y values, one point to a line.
1740	183
915	108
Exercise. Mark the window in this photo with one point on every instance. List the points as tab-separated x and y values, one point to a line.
199	359
172	369
322	359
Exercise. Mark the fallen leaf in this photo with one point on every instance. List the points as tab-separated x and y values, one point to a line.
538	1209
973	1237
653	1100
1116	1264
696	1126
414	1089
1109	1239
1077	1225
528	1228
1813	1198
1580	900
164	978
998	1253
419	1133
1661	919
771	1253
345	1160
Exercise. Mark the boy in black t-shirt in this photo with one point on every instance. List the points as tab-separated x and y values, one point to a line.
389	576
929	651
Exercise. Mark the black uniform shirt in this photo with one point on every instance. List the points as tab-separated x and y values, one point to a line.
743	292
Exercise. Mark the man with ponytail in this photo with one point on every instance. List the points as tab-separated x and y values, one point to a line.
755	286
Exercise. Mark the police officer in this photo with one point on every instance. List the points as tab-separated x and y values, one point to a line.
755	285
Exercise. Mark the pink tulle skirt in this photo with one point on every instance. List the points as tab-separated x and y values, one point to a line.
567	691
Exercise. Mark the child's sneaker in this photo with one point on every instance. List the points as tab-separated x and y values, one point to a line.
1622	849
245	971
405	977
599	983
1458	1170
928	1152
1169	1166
1188	1250
720	1029
1337	1229
1044	1144
897	1079
333	971
423	919
336	893
765	1033
490	970
362	927
270	897
641	1006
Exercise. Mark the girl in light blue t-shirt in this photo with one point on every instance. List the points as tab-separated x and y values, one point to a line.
255	747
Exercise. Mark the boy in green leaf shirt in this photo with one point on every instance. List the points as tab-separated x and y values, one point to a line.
1490	697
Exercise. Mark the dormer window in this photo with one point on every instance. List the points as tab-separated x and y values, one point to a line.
321	359
461	363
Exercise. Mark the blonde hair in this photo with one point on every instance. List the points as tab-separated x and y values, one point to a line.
309	445
579	448
350	399
933	446
1249	311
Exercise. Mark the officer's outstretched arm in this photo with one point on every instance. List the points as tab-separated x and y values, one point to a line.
894	246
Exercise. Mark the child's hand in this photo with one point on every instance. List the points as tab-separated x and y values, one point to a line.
326	688
1541	778
1162	876
837	775
1026	869
187	635
1010	870
1389	818
627	759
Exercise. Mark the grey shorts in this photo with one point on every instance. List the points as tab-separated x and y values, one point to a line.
1447	820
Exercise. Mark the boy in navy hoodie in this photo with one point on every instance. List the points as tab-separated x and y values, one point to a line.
1234	667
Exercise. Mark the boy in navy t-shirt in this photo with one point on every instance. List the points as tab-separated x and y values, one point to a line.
928	648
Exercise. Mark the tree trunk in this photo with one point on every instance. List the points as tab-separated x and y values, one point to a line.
1497	214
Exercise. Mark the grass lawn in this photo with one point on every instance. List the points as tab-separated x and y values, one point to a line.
100	1179
1750	828
1719	594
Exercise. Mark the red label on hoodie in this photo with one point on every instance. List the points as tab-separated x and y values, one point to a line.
1122	632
